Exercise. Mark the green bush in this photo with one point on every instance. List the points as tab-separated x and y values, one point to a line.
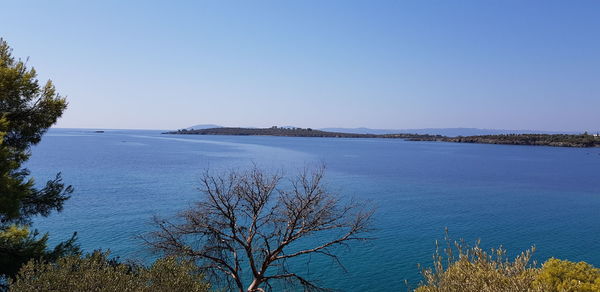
471	269
18	245
460	268
95	272
564	276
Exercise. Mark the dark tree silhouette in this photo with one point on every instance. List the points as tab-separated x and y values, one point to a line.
27	110
248	224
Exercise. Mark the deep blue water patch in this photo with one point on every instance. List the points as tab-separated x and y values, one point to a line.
515	196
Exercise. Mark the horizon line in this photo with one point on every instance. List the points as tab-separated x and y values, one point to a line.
323	128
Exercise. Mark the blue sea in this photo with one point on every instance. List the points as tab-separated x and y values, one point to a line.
514	196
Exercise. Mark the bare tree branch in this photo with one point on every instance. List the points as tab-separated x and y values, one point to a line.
253	219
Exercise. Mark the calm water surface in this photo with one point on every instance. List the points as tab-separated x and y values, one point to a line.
515	196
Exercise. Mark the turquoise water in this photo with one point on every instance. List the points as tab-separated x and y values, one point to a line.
516	196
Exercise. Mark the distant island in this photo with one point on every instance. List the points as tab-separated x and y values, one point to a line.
555	140
291	132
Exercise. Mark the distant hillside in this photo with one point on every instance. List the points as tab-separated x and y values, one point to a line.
558	140
288	132
204	126
449	132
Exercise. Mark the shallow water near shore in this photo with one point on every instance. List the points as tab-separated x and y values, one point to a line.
515	196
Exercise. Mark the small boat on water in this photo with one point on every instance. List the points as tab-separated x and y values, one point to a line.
99	131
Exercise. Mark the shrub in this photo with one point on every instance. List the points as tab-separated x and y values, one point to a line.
471	269
95	272
18	245
565	276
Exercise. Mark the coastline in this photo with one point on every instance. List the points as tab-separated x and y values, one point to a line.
553	140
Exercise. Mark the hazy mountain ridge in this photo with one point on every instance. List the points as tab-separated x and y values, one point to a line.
203	126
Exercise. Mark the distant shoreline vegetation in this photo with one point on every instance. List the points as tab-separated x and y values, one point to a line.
291	132
555	140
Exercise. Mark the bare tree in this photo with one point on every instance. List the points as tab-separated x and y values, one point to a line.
248	224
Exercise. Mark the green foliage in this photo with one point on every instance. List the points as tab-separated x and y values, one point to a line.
564	276
95	272
19	246
27	110
473	270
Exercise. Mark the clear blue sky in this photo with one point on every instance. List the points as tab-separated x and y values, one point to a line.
381	64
